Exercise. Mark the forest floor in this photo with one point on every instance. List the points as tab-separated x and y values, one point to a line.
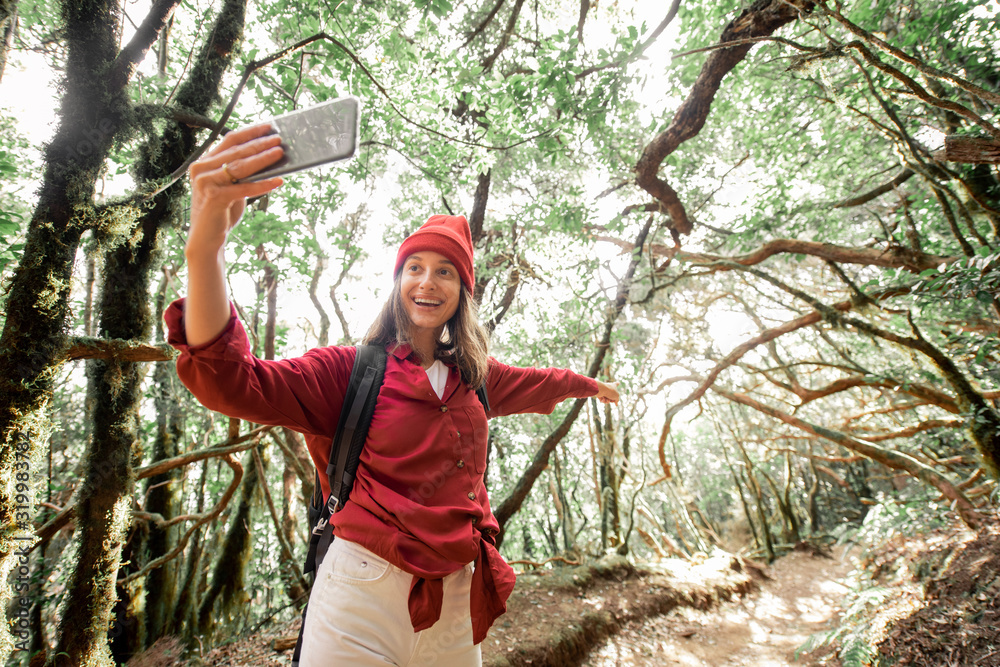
932	599
613	613
801	597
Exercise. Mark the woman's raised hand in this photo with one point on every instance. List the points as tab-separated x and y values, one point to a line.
217	200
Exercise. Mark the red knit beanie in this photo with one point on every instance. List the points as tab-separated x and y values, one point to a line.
448	235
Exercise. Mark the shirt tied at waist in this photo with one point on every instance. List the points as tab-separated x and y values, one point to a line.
492	583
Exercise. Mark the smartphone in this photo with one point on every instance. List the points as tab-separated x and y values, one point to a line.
314	136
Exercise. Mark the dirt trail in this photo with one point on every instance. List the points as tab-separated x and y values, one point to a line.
764	629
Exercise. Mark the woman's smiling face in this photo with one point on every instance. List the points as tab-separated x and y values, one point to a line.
430	288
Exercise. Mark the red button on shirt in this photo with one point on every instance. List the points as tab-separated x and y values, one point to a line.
411	502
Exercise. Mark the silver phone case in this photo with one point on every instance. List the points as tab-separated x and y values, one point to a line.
314	136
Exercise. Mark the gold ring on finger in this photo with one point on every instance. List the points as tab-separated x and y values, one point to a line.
225	168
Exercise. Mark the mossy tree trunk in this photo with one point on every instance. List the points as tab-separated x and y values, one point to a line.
162	493
226	590
565	509
104	502
8	27
815	521
737	482
103	508
608	477
298	475
785	508
127	634
93	112
160	158
754	486
183	619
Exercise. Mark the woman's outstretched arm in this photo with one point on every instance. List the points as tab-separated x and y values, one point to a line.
514	390
217	203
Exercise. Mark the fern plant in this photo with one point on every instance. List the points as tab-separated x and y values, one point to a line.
855	645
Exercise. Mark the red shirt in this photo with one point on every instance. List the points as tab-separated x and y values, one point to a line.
418	498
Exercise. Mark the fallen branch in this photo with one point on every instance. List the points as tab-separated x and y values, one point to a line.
541	564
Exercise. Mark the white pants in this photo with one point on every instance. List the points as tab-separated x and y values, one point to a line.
358	615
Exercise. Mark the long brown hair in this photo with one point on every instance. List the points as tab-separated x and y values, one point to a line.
464	341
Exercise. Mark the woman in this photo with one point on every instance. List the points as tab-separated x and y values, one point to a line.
413	577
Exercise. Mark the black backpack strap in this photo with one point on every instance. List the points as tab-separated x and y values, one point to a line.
345	448
352	431
483	398
297	653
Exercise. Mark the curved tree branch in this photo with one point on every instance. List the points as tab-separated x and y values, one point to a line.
983	420
760	19
202	520
734	356
131	55
482	25
479	200
230	446
513	282
639	49
910	431
891	257
891	459
505	37
920	91
915	389
896	257
900	178
920	65
259	64
584	10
